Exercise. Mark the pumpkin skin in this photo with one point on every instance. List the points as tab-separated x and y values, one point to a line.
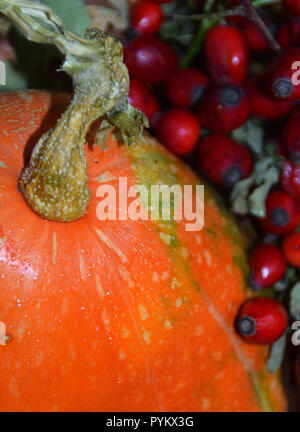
119	315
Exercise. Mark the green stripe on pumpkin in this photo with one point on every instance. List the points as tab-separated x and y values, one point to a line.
151	167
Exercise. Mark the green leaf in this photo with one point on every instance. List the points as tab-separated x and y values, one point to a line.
288	279
15	80
72	12
276	354
252	135
295	301
178	32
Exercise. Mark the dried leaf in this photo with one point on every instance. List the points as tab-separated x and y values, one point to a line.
258	197
252	135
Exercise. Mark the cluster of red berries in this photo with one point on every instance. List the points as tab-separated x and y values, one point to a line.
195	110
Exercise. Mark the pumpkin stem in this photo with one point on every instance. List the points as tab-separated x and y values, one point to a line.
55	182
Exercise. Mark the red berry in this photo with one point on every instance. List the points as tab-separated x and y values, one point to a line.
282	215
291	134
235	19
290	179
267	264
291	248
254	37
146	17
179	130
262	320
293	6
150	59
226	54
280	75
224	108
142	98
186	86
289	33
223	160
162	1
280	147
262	104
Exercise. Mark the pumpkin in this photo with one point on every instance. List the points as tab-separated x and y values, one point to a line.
119	315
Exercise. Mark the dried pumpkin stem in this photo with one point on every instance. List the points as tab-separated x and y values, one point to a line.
55	181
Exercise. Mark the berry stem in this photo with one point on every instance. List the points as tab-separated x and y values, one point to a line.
253	15
238	10
204	26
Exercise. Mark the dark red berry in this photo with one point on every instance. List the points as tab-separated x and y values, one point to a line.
267	264
293	7
238	20
226	54
185	87
289	33
291	134
146	17
290	179
262	320
179	130
141	97
223	160
162	1
282	215
280	75
150	59
262	104
255	40
280	147
224	108
291	248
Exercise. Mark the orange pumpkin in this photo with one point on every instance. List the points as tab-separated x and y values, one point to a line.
119	315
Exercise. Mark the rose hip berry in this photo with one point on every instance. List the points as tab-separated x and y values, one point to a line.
150	59
224	108
146	17
141	97
291	248
262	320
293	7
255	40
185	87
280	74
226	54
179	130
289	33
235	19
262	104
290	179
291	135
267	265
282	215
223	160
